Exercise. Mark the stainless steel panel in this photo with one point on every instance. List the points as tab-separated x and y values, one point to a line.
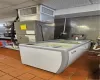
90	26
29	24
22	38
2	30
47	31
63	4
42	31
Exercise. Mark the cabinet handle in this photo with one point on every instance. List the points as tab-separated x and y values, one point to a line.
73	52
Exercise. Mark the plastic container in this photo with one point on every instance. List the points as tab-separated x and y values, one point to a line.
3	43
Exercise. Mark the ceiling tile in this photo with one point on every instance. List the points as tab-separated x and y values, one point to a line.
13	2
75	3
62	4
9	5
53	3
14	7
3	5
11	10
5	2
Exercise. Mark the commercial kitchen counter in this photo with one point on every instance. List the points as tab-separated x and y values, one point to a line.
53	56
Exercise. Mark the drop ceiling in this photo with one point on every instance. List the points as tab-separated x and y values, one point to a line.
61	4
8	7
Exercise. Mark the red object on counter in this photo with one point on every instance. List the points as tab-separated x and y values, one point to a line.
4	43
1	44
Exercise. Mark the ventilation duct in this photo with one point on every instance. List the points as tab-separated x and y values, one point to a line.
37	12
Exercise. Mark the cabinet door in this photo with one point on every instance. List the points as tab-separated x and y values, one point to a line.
75	54
41	58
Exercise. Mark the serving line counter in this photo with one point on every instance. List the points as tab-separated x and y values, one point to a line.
53	56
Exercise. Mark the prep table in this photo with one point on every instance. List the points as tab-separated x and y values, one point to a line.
53	56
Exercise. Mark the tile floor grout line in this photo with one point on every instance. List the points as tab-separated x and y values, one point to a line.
52	76
25	73
8	74
11	75
3	75
32	78
3	72
18	75
40	78
15	78
7	65
36	76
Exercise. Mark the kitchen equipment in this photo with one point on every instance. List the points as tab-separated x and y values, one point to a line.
2	31
98	40
97	44
78	36
34	31
62	29
54	55
36	12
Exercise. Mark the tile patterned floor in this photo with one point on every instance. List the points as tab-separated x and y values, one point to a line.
11	68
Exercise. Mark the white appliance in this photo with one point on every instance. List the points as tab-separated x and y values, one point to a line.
53	56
